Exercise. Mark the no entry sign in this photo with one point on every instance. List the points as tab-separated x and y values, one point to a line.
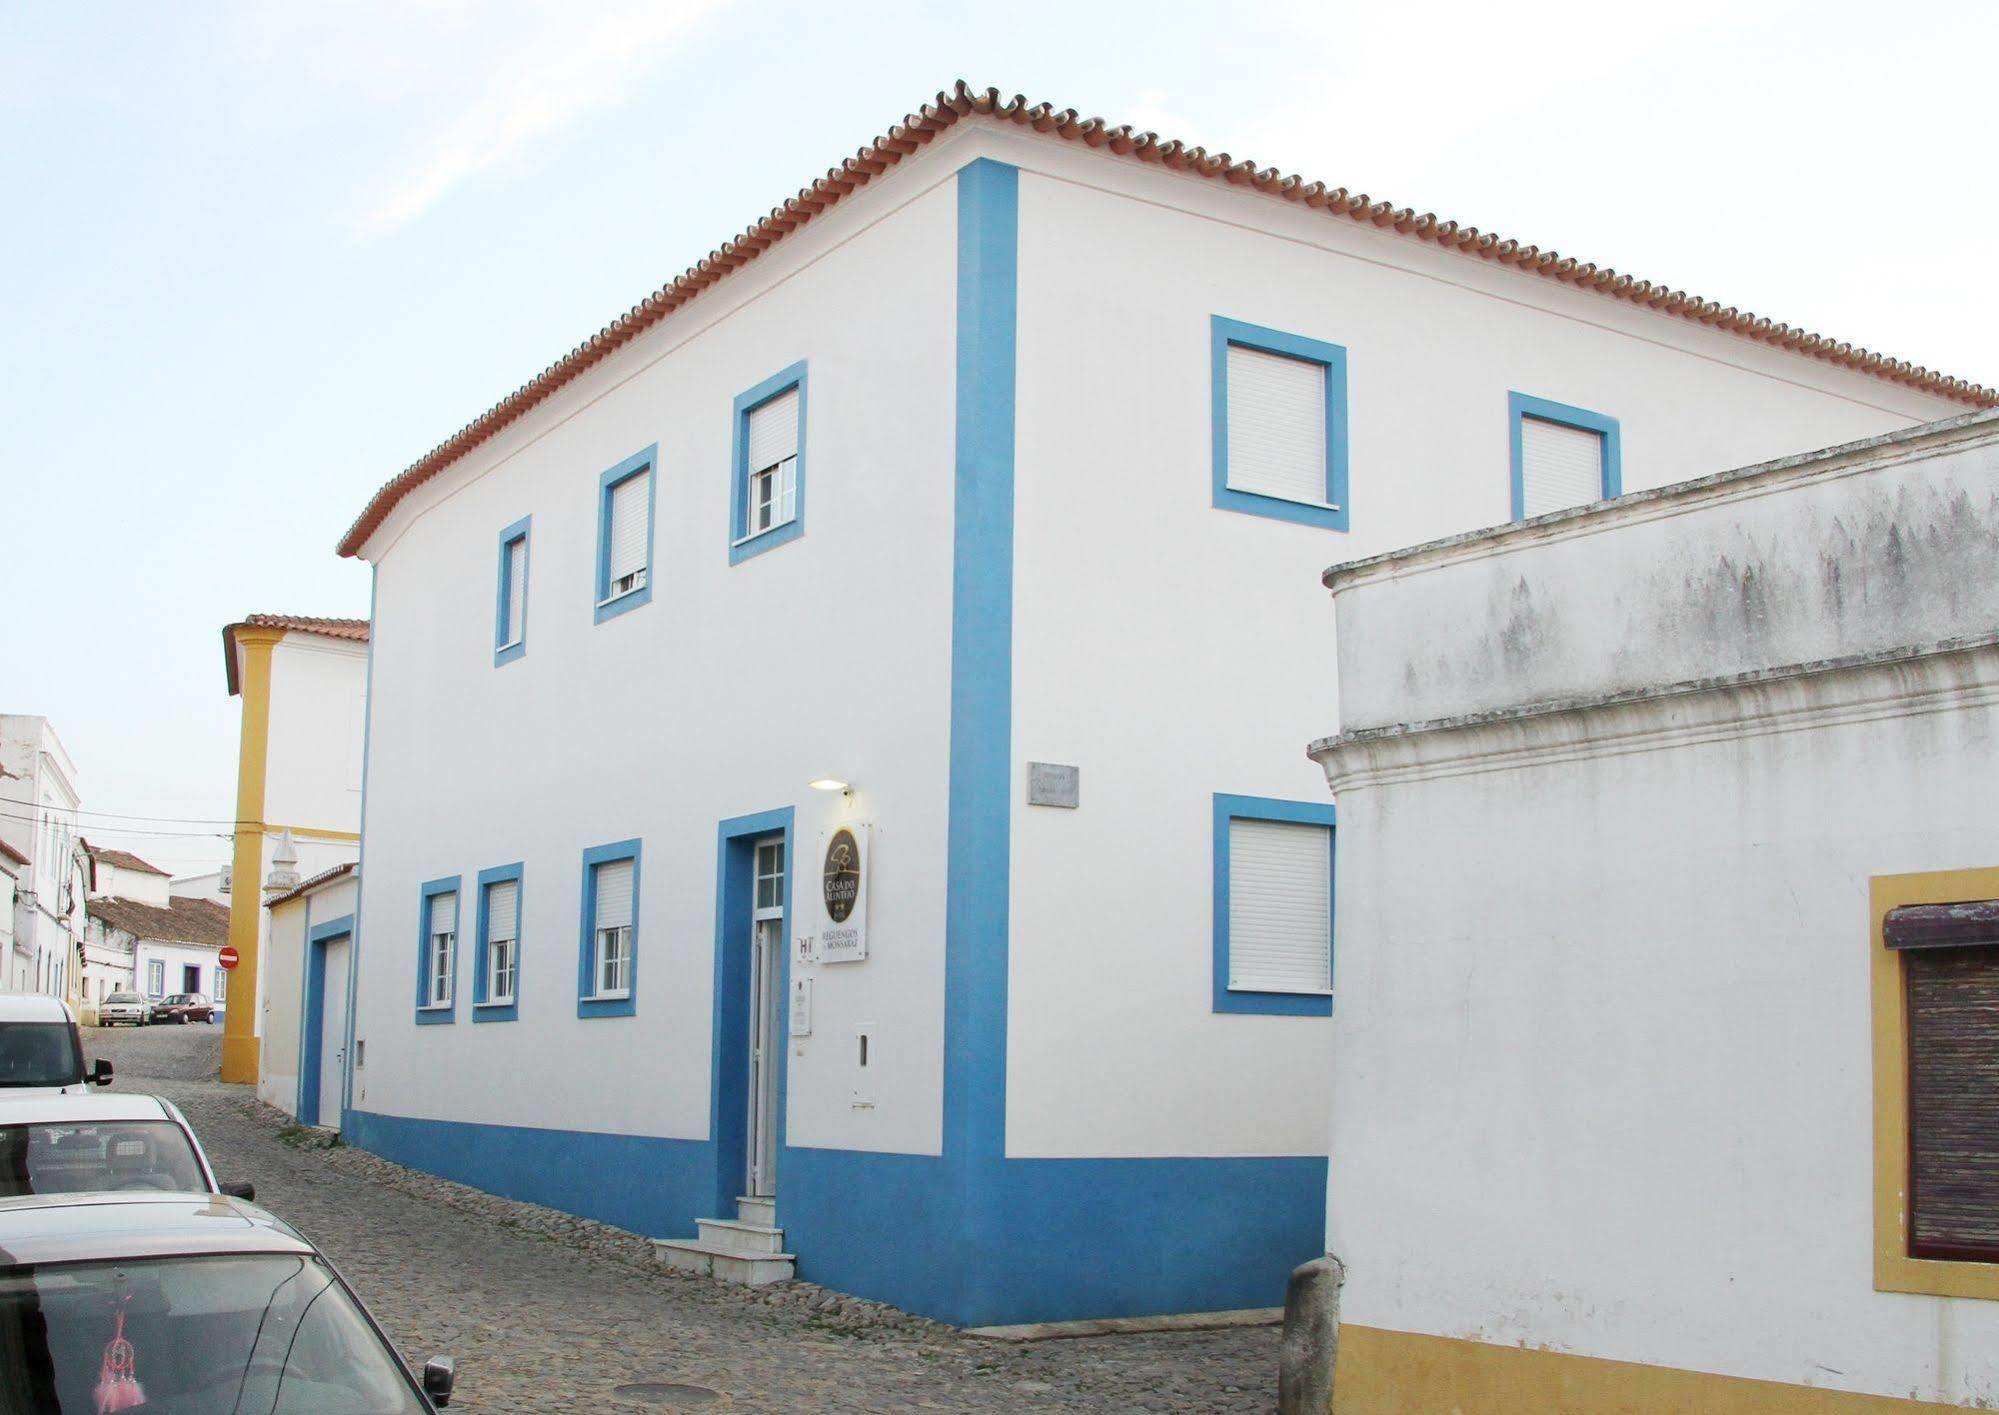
228	957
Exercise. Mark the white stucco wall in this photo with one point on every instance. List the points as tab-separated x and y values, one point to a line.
1172	650
312	770
175	956
724	696
1601	1075
289	924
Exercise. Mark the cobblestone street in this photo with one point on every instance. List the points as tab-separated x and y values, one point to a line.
547	1314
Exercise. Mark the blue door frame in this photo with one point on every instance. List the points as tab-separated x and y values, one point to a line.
312	1014
735	876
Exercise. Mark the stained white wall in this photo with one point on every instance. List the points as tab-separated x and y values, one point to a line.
1172	650
1601	1074
722	697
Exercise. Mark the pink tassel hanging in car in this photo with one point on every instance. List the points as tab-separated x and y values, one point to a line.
118	1385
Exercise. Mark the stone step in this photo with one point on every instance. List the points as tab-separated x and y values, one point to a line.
746	1269
763	1211
749	1239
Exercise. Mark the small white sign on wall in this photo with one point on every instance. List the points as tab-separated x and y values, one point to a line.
805	949
801	1007
843	893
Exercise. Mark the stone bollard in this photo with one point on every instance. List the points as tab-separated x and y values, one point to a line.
1311	1338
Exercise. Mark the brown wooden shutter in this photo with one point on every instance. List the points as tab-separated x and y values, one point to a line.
1950	957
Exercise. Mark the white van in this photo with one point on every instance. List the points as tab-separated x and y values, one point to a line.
41	1050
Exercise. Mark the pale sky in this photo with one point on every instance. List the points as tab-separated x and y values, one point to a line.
257	259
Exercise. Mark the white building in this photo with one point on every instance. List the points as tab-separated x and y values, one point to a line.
311	944
38	820
212	885
1627	1034
990	476
303	684
142	937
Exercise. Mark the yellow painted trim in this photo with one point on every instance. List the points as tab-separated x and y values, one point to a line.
1408	1373
1894	1269
239	1021
313	832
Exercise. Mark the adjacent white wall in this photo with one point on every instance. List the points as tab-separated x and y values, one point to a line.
1172	650
283	966
722	697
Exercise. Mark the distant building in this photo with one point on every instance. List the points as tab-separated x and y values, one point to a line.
141	937
38	821
303	682
983	487
1663	1072
212	886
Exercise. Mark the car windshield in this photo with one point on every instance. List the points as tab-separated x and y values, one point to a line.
113	1154
176	1336
39	1054
124	997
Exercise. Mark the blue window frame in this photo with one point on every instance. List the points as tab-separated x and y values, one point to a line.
782	510
510	612
1229	810
436	961
610	599
1332	512
488	1004
1520	406
593	998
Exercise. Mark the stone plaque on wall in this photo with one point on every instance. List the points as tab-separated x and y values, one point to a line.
1053	784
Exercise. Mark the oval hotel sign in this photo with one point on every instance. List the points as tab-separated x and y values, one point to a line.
843	875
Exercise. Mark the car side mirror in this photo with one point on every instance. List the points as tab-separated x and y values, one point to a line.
439	1374
240	1189
100	1074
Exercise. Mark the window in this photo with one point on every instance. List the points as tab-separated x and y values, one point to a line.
511	608
496	970
624	535
1273	903
156	977
770	878
1950	978
1562	456
1280	425
221	984
769	479
437	951
607	965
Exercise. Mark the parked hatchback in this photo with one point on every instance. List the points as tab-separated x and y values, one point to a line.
102	1144
123	1009
41	1050
184	1007
194	1303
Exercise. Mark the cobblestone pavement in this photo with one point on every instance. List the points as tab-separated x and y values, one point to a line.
547	1313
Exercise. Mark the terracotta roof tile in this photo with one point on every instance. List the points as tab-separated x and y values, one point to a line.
306	886
123	860
199	921
354	630
962	102
12	854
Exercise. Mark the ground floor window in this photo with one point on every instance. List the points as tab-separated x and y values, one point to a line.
607	969
1273	906
156	977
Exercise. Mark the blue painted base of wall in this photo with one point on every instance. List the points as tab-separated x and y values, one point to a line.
974	1244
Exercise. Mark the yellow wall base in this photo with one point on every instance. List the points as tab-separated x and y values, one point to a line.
239	1060
1406	1373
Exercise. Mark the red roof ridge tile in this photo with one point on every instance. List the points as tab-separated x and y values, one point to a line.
962	101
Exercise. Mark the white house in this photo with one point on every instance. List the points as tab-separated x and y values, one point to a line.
38	820
984	484
1669	947
306	958
143	937
302	680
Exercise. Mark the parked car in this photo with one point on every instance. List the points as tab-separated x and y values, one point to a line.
184	1007
102	1144
186	1303
127	1008
41	1049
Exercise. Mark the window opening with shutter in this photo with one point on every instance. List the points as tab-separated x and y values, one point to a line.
613	918
1277	425
1560	466
625	568
772	441
1280	907
502	932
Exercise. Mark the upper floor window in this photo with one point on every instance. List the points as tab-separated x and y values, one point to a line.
769	480
437	950
510	627
1280	424
1562	456
607	965
624	534
1273	892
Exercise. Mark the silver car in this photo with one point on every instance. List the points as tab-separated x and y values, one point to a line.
123	1009
110	1143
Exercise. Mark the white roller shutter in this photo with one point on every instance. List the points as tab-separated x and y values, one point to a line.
628	526
1277	425
1280	907
503	910
774	431
1560	466
614	894
443	914
517	588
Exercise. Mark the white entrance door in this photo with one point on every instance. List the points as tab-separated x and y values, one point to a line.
766	1041
332	1032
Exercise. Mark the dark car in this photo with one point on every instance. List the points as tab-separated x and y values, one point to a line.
184	1007
186	1302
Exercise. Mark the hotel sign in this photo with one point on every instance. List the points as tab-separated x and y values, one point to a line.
843	892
